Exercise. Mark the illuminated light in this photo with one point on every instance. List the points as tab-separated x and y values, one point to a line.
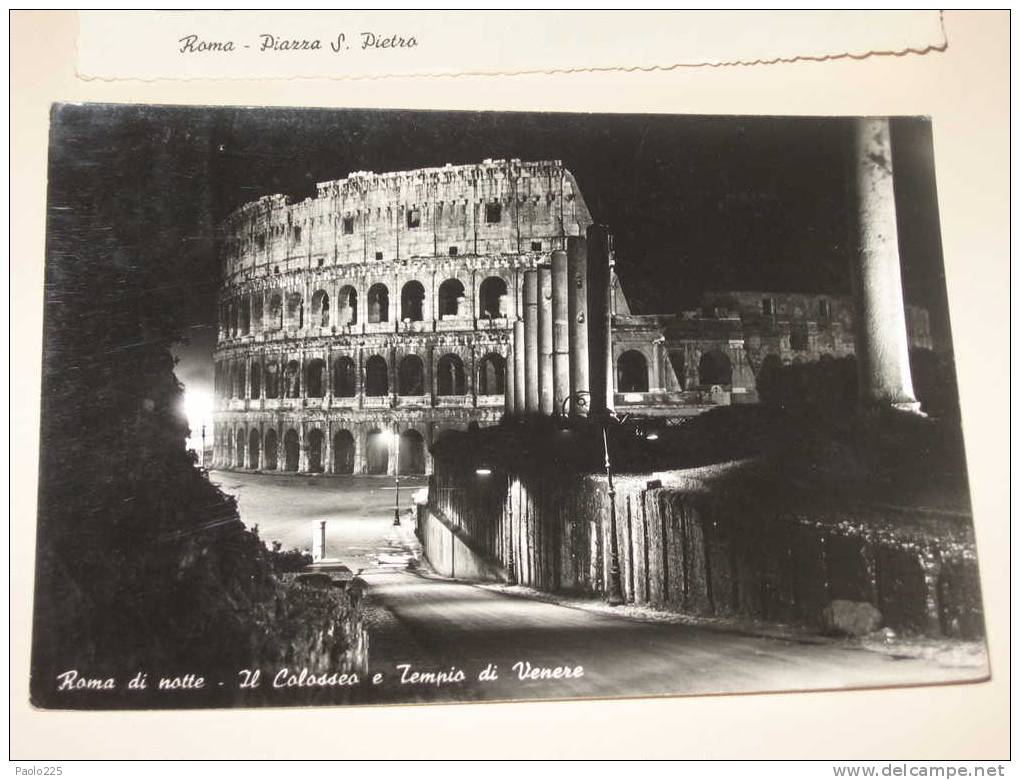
197	405
483	472
652	436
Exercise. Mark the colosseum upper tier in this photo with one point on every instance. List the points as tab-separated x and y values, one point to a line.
384	304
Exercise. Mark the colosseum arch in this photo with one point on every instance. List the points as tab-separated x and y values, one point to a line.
450	375
239	380
412	301
347	306
344	377
272	379
256	313
256	380
315	450
492	375
632	372
451	299
492	298
239	442
377	380
292	380
244	316
253	448
315	378
411	376
412	452
343	452
295	311
378	452
291	450
715	368
274	316
378	303
320	308
271	445
232	317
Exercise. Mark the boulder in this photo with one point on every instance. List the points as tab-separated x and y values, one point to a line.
850	618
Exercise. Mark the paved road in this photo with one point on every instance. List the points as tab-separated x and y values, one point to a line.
358	511
421	624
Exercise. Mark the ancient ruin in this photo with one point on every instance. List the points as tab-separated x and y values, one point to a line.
395	302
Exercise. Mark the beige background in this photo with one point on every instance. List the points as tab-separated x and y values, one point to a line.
964	89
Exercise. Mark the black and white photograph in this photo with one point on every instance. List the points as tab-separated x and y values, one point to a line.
348	407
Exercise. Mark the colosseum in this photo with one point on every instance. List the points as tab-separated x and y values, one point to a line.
357	326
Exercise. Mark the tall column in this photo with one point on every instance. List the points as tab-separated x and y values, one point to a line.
531	342
518	368
508	385
600	342
561	331
545	342
577	314
883	360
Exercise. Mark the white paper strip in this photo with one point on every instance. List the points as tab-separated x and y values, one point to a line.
358	44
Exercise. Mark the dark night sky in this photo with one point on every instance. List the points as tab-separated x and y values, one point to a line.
695	203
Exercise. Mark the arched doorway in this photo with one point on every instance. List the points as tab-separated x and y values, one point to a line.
274	318
239	381
315	439
320	308
239	441
343	452
632	372
411	376
291	450
715	368
378	303
492	298
412	452
295	311
270	464
412	299
450	375
316	378
378	452
253	449
256	381
451	297
491	375
347	306
343	377
272	379
377	381
292	379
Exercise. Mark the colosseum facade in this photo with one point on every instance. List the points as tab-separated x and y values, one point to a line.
357	326
381	308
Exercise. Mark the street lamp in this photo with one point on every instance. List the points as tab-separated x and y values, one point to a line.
396	476
614	595
203	445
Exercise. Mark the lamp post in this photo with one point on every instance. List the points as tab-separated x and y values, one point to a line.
203	445
614	592
396	477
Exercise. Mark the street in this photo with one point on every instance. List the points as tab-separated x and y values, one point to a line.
431	638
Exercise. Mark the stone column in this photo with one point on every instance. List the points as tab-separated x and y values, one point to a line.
577	314
545	341
561	331
302	448
883	362
508	385
518	368
600	342
531	342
